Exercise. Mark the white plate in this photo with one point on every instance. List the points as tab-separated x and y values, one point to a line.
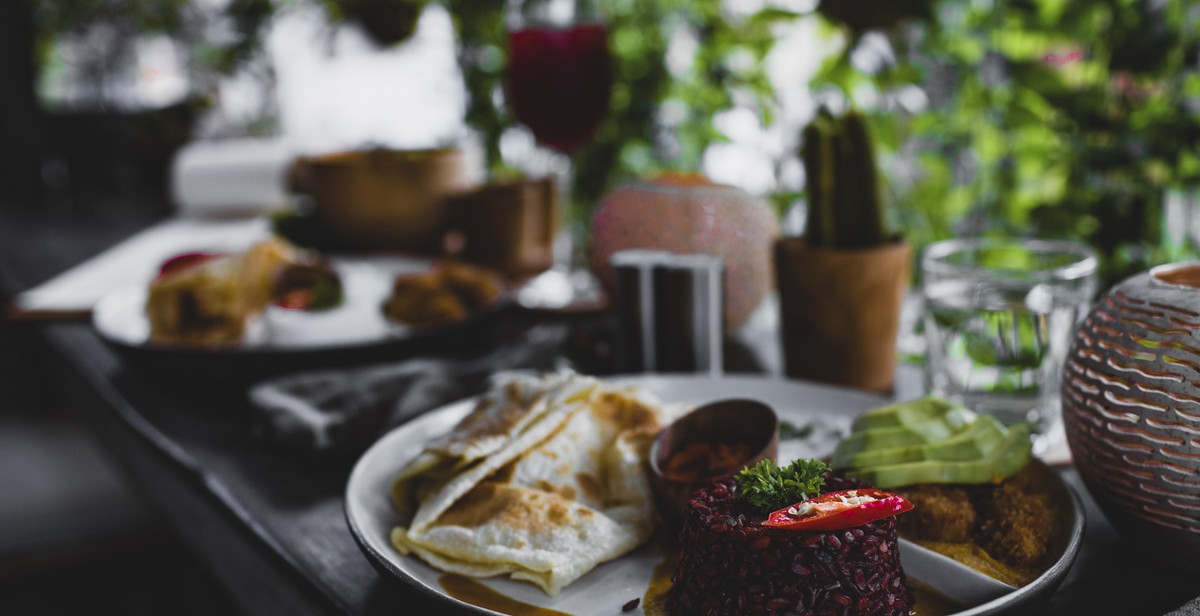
607	587
120	317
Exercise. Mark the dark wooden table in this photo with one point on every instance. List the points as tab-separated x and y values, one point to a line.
269	522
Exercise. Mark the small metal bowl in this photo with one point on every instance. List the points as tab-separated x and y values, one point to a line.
736	422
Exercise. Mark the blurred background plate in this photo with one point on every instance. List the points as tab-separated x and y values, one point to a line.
282	340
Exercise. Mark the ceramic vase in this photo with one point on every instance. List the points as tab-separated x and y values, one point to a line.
1131	408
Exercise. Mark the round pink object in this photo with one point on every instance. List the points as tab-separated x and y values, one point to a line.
689	216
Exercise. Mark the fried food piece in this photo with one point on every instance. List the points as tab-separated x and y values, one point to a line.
421	300
940	513
1016	522
441	295
1018	525
475	287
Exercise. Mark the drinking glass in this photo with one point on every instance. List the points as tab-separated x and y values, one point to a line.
559	81
999	317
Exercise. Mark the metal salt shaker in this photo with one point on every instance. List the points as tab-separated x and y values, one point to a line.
670	311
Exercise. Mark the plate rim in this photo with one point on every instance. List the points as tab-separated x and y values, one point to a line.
1053	575
380	562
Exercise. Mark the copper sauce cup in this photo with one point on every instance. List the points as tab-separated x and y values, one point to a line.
718	429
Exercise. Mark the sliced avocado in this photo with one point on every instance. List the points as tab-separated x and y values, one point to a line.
903	414
936	429
976	441
1008	457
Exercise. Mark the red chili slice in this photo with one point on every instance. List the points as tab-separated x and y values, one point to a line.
833	512
183	261
300	299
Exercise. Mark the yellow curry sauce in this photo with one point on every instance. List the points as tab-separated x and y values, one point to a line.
976	558
654	602
933	603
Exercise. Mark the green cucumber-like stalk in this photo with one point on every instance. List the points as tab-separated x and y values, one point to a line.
863	218
845	208
818	155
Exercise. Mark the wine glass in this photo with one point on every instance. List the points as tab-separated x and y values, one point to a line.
559	80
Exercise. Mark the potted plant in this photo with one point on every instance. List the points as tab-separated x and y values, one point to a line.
842	283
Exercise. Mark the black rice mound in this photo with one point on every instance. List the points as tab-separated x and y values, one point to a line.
730	564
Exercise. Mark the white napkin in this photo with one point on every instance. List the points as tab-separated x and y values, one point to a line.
344	408
136	261
233	176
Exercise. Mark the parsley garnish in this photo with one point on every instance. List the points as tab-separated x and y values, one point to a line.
767	487
327	293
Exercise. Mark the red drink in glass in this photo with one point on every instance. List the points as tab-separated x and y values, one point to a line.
559	82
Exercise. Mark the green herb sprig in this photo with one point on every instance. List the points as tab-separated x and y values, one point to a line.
767	487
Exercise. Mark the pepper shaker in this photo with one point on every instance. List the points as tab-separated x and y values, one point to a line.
670	311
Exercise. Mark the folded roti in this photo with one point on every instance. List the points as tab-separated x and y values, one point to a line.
543	481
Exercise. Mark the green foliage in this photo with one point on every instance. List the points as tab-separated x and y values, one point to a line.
624	143
127	19
1054	118
481	52
636	140
1046	117
767	487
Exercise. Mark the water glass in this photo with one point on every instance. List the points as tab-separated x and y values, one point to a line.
999	318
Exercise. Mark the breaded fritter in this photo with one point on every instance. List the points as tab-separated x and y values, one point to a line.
1018	526
1013	521
940	513
441	296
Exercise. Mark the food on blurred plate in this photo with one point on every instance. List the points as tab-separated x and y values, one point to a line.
201	298
441	295
309	286
317	306
796	539
978	498
543	481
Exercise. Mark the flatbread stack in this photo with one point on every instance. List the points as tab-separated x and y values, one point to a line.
543	481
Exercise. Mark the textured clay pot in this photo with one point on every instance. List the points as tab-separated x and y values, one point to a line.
690	215
840	311
1131	407
508	226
